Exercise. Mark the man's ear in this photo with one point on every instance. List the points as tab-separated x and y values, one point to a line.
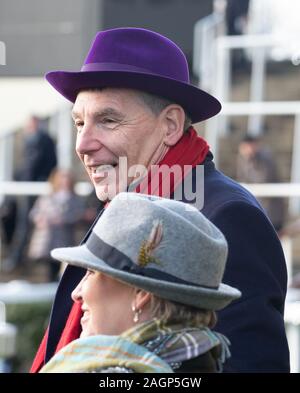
173	118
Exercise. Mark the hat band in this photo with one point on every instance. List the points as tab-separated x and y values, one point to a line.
113	67
117	260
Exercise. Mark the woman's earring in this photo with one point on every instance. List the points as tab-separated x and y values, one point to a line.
136	314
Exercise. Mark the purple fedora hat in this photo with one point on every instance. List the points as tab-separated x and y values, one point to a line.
138	59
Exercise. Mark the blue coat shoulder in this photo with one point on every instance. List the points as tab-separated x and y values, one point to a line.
256	265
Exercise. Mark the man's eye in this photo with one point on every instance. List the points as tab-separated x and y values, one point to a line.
109	122
78	123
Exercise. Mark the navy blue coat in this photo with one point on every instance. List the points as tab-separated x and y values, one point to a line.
256	265
254	323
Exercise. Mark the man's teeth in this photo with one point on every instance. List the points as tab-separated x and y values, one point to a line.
103	168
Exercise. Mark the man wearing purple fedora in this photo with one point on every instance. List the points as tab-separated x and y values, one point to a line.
133	102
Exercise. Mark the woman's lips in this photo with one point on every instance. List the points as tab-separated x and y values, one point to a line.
85	317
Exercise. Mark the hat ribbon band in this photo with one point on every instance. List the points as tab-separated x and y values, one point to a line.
117	260
113	67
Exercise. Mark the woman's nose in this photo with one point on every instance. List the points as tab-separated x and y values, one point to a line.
76	294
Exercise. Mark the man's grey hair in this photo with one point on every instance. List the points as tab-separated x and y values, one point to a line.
158	104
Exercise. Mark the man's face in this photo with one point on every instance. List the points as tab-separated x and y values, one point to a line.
247	149
31	125
114	123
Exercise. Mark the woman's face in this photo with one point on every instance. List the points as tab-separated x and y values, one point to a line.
65	181
106	304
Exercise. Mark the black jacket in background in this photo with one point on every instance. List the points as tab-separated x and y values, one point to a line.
39	157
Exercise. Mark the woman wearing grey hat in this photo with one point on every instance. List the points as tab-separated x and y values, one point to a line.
150	292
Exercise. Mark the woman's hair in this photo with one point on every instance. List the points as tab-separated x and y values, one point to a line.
56	174
168	310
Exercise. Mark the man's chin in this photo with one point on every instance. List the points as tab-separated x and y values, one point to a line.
105	193
102	196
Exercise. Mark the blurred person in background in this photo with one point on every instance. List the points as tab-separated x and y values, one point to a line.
291	229
133	101
54	217
93	206
255	164
8	217
236	16
39	153
37	161
158	315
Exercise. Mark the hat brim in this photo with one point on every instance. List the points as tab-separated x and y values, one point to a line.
198	104
211	299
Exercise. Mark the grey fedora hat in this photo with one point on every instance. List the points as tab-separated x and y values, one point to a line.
162	246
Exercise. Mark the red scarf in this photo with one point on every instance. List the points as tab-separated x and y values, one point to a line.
190	151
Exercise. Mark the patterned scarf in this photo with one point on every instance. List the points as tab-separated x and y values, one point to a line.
153	346
177	341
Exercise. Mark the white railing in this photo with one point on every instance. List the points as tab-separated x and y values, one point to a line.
38	188
212	63
85	188
206	30
279	190
60	124
8	338
274	189
292	321
6	154
256	108
275	108
257	44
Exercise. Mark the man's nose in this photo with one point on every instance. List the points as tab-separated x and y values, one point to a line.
88	141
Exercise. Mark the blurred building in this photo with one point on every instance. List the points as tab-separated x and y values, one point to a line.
44	35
